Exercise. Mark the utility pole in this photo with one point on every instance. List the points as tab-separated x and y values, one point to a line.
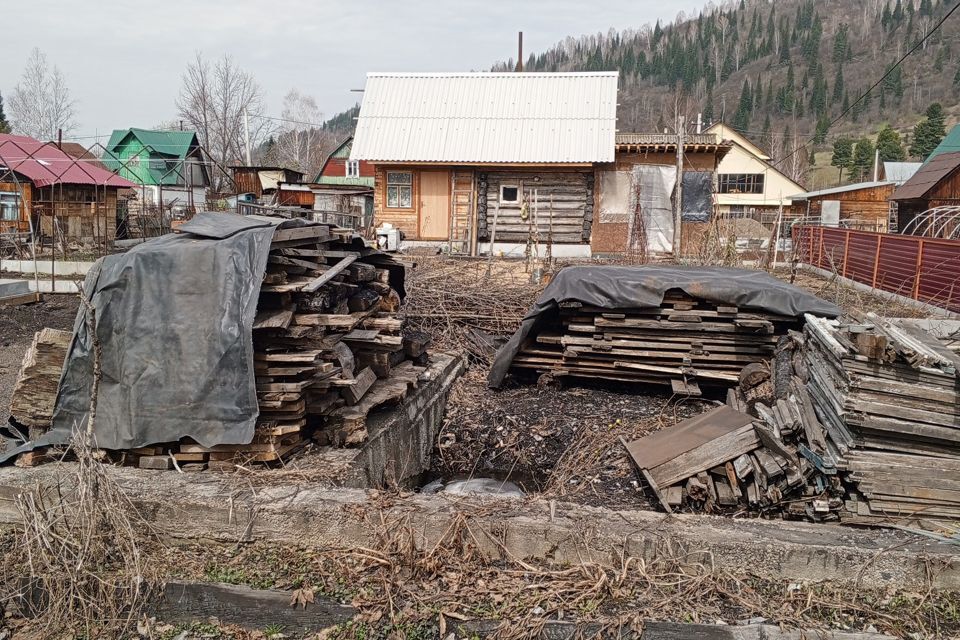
246	134
678	194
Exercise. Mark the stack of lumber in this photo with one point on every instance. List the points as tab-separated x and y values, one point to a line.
728	460
35	391
887	394
684	342
328	348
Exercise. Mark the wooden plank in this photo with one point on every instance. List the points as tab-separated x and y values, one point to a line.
329	274
362	383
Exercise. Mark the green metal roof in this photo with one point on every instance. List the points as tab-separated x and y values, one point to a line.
157	154
950	142
170	143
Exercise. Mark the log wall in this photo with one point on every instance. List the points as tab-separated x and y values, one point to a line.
557	199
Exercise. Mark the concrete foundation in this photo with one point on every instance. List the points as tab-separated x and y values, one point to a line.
399	442
210	506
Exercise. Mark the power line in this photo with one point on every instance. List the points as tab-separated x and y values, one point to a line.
877	83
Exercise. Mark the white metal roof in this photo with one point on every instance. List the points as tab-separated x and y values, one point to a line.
487	118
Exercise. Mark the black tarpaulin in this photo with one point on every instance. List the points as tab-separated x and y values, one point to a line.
639	287
697	202
174	320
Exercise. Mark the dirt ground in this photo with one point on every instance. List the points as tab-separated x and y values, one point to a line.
18	324
563	441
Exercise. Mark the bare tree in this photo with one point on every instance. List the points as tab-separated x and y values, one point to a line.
214	99
301	143
41	103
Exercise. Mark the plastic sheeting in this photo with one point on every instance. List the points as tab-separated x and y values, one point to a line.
639	287
697	202
174	320
655	205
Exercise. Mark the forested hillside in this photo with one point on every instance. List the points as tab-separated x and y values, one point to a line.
778	71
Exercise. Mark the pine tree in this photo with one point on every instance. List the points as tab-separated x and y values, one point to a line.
889	145
708	106
768	99
956	79
741	120
765	134
929	132
820	133
841	41
940	59
4	125
842	155
811	48
862	158
838	88
845	106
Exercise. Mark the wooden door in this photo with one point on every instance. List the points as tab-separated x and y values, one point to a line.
434	205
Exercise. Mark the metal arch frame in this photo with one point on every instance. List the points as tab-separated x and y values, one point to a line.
933	222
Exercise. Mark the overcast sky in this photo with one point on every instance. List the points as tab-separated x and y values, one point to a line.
123	59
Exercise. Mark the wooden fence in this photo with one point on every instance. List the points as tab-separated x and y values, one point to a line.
925	269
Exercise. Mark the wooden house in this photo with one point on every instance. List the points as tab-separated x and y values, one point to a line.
44	189
747	183
168	167
263	182
471	159
339	169
864	206
935	185
635	193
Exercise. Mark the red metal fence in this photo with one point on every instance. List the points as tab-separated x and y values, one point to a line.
925	269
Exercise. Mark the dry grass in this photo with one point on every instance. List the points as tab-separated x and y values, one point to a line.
78	565
465	303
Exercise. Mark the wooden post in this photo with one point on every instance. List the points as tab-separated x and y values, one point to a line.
876	260
916	279
809	244
678	199
819	246
846	252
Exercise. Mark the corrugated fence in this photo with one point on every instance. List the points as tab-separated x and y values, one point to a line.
925	269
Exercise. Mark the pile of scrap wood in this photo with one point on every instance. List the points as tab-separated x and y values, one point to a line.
728	460
685	342
887	394
859	408
31	405
329	348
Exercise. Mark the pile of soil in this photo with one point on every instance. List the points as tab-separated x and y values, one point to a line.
560	440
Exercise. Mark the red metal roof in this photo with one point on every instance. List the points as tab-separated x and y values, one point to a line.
43	164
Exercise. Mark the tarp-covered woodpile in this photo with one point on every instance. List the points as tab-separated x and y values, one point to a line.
656	324
237	339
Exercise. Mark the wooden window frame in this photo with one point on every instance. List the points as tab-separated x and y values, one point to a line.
511	186
399	186
352	168
752	183
17	204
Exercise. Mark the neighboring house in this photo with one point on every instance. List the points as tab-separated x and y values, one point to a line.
746	181
898	172
935	186
263	182
43	188
466	157
339	169
864	206
81	153
636	192
168	167
949	144
345	185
